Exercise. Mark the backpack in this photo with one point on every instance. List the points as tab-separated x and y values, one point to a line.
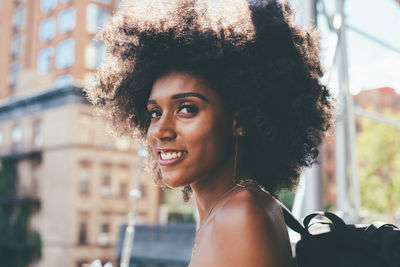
337	244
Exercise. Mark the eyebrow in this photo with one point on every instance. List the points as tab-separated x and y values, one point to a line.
177	96
182	95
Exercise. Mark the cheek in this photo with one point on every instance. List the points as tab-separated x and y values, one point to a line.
149	134
210	137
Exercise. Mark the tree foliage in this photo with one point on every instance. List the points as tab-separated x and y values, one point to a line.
287	198
19	245
379	157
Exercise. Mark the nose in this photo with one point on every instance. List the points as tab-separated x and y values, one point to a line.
163	129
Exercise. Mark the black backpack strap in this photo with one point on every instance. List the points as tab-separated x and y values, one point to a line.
336	220
291	221
371	230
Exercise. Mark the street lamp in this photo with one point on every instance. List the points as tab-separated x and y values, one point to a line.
135	194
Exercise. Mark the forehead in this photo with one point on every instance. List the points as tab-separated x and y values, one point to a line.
173	83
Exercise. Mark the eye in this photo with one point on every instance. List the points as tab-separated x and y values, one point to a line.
188	108
154	113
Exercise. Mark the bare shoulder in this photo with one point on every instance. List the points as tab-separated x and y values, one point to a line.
250	209
249	230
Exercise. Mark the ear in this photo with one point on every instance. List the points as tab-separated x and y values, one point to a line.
237	129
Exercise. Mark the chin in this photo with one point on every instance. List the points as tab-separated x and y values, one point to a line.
174	182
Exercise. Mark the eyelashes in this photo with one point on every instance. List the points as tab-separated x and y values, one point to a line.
185	108
154	113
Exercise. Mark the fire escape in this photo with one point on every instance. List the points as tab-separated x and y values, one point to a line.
19	243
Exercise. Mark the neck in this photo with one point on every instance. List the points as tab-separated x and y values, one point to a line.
209	190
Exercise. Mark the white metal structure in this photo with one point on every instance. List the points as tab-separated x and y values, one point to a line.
347	178
130	229
310	192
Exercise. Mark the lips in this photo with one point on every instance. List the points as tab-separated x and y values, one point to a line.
170	157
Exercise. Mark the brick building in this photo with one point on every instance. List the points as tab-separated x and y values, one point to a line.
80	175
63	156
49	42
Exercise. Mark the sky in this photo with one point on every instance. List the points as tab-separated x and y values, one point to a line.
370	65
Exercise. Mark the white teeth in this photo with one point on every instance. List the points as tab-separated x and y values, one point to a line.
171	155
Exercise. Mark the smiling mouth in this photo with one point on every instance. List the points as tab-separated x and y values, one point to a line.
171	157
172	154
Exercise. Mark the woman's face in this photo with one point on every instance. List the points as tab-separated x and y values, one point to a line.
190	131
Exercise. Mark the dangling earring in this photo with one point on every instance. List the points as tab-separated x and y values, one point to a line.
241	133
187	192
235	160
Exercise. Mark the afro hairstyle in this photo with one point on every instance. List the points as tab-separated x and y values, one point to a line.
251	52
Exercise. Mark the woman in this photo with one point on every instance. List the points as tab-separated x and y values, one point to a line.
228	99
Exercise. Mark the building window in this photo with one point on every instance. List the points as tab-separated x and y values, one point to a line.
83	231
47	5
44	60
16	47
143	190
66	20
96	17
123	189
15	68
105	229
16	137
18	17
64	80
37	134
94	54
65	53
106	177
123	178
84	180
47	29
105	189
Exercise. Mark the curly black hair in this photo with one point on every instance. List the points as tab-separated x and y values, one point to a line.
251	52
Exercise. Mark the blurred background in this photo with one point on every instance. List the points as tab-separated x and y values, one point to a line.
66	182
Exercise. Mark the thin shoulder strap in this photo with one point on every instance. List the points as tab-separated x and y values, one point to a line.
223	199
290	220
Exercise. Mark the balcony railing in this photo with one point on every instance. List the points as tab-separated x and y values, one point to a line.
20	151
25	200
